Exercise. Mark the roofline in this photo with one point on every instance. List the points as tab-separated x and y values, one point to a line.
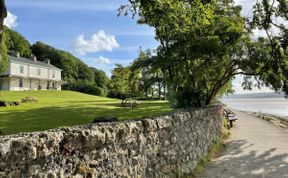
23	62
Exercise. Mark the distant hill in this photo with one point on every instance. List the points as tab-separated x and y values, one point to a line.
255	95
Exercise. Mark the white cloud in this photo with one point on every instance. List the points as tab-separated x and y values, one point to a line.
11	20
101	41
102	60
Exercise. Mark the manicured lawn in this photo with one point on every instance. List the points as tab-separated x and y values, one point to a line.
66	108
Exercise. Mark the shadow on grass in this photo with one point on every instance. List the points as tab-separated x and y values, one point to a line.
255	163
36	119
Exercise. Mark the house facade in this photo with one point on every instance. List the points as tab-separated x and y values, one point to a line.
29	74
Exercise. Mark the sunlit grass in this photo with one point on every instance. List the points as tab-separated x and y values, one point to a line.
67	108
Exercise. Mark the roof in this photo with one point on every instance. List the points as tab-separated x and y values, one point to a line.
30	61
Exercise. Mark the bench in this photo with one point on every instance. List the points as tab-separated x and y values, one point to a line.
231	116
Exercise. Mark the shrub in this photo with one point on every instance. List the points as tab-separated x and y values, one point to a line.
9	103
88	88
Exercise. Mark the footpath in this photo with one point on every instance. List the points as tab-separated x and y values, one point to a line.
255	148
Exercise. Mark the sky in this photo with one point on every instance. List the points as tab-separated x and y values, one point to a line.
90	30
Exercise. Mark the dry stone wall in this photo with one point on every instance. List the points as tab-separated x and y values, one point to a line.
164	146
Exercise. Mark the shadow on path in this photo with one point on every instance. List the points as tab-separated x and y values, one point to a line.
239	160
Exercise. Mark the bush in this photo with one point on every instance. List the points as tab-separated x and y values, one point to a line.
87	88
9	103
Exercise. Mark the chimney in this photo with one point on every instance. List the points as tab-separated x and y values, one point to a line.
47	61
18	55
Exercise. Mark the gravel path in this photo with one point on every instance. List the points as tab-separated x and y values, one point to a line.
256	148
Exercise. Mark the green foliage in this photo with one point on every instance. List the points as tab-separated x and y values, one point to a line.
79	76
3	55
205	44
88	88
120	82
73	68
271	16
3	49
17	43
197	40
138	80
101	79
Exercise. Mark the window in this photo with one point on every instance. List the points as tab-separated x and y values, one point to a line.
39	72
53	74
20	82
22	69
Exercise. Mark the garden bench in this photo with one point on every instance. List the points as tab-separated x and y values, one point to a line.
231	116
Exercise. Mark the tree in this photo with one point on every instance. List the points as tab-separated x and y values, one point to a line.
101	79
17	43
203	46
3	51
73	68
197	38
120	82
271	16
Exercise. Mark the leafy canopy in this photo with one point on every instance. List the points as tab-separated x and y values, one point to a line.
205	44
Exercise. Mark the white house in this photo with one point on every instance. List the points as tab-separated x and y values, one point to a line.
30	74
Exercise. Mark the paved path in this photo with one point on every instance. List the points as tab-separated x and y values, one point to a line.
256	148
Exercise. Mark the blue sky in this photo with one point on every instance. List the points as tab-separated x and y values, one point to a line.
62	23
89	29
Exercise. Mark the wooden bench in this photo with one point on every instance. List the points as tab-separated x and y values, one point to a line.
231	116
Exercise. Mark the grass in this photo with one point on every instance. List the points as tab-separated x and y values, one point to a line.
66	108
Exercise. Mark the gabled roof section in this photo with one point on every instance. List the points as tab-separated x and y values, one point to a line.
32	62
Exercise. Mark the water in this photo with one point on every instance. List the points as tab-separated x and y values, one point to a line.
277	106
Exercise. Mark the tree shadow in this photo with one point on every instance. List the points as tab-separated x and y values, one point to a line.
37	119
241	159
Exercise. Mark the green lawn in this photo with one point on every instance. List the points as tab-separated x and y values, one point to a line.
66	108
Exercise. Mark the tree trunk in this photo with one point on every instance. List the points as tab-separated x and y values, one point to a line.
152	94
164	92
3	14
159	90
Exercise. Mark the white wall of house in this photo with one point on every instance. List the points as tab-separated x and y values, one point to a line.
32	71
33	77
15	84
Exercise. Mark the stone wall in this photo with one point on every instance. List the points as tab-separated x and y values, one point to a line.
164	146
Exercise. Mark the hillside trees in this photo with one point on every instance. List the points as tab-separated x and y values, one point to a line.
78	75
203	46
15	42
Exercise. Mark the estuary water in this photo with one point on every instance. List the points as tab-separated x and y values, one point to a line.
276	106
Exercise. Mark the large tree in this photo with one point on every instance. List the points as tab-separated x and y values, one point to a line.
271	16
204	45
120	82
3	51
